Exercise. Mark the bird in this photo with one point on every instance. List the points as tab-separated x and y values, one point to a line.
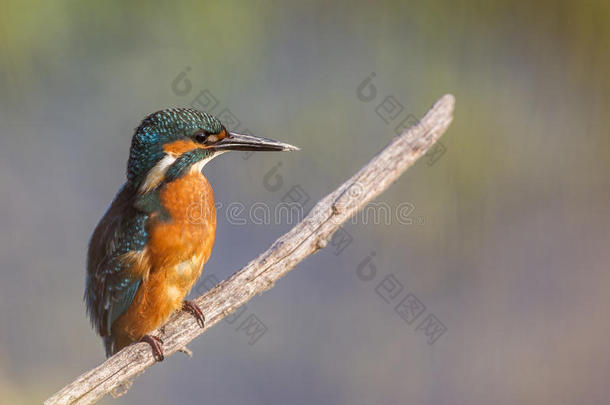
148	249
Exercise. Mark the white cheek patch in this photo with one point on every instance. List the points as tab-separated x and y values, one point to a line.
156	175
198	167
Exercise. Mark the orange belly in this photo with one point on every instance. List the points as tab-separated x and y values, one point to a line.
176	250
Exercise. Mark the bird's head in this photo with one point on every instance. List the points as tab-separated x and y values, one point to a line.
168	142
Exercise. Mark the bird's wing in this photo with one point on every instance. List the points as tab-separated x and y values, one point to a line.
115	250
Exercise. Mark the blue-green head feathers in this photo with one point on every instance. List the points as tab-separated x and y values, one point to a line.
160	128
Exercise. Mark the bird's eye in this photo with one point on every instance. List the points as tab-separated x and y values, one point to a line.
201	136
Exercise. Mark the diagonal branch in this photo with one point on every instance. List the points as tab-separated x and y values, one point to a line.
259	275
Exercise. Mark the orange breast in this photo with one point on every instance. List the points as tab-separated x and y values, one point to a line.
189	201
177	250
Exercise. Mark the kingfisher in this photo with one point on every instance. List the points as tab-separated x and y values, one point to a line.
149	248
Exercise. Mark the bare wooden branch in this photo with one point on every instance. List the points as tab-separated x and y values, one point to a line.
259	275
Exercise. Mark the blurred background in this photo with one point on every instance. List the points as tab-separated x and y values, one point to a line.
494	289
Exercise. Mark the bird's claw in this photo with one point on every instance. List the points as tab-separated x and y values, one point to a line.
194	310
156	344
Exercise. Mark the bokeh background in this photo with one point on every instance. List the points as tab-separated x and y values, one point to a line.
509	241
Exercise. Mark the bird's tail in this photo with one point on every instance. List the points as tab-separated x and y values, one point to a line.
109	345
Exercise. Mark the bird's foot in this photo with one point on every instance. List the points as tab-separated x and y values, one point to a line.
192	308
156	344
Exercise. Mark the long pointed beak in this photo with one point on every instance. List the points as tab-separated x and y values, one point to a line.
235	141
